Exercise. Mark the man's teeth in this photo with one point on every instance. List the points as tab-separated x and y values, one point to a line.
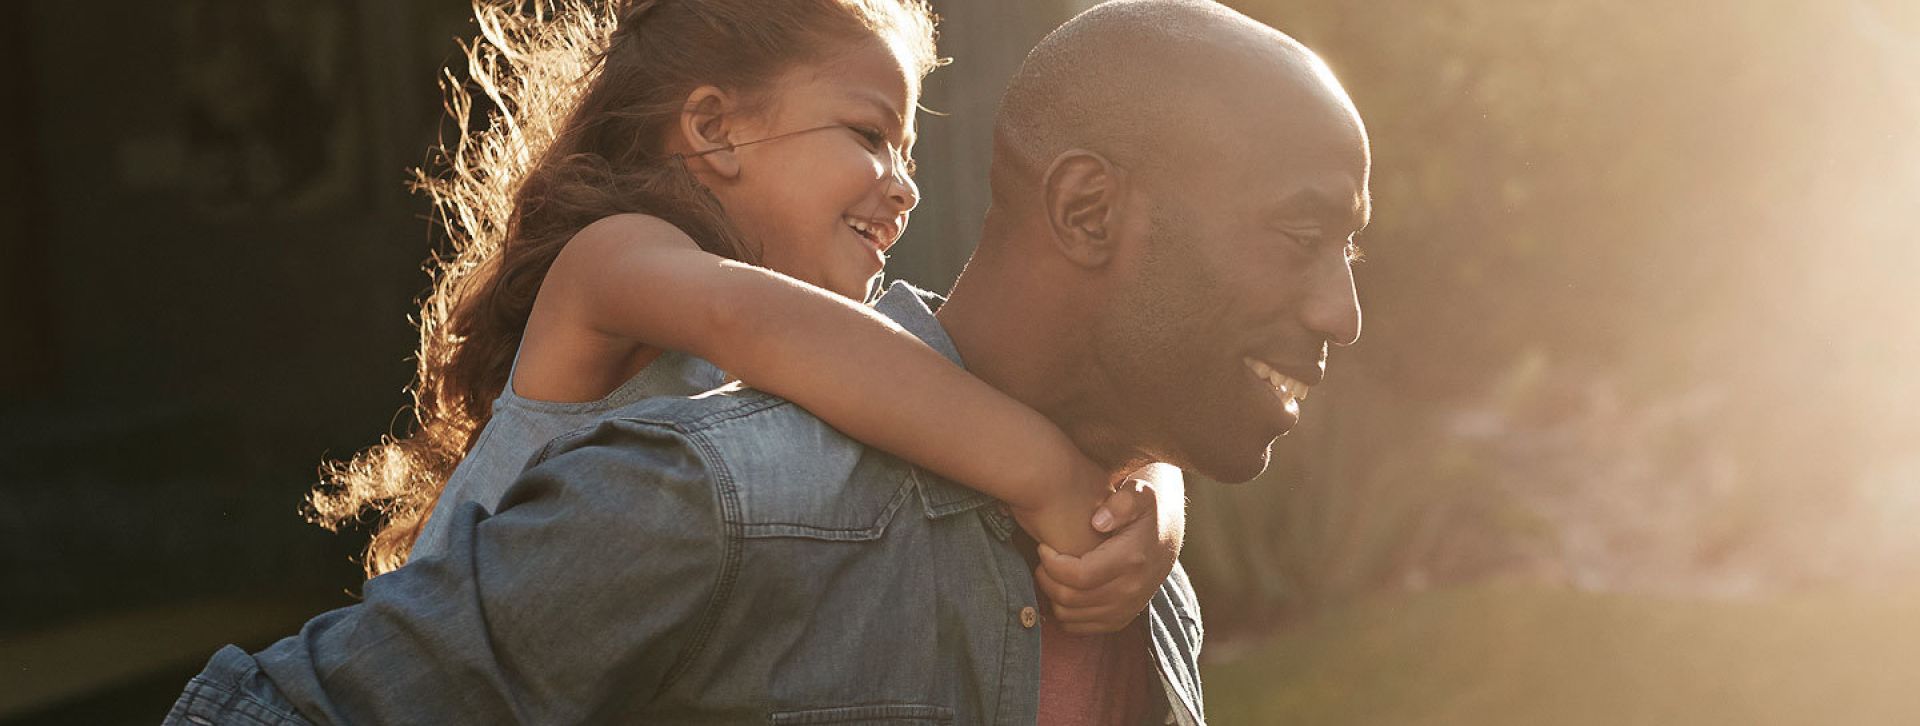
1281	383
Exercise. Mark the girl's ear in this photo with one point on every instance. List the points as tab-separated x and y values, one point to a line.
706	128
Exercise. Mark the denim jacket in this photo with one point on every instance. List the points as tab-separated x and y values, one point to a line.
726	558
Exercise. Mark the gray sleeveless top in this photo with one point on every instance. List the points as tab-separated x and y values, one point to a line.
520	426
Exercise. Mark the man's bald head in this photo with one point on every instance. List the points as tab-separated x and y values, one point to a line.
1166	260
1156	86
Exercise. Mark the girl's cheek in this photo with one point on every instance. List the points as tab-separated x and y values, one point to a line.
867	165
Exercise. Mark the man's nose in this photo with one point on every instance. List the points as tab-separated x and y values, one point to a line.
1333	305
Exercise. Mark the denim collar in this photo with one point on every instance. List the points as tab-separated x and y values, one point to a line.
909	306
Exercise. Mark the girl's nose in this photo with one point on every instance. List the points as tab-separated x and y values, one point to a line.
901	191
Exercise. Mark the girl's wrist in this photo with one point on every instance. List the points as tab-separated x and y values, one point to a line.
1075	477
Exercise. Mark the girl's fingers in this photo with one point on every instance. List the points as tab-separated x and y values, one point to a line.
1114	593
1122	554
1131	501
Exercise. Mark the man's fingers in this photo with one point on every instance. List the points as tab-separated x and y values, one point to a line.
1131	501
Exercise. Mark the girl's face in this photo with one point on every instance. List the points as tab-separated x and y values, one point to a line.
823	184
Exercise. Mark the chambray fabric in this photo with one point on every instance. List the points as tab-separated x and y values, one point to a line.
232	690
520	426
726	558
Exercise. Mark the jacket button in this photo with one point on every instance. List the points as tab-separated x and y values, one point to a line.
1029	617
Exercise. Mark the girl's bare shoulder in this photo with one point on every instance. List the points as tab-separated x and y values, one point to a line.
623	232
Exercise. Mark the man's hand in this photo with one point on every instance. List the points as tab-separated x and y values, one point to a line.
1104	590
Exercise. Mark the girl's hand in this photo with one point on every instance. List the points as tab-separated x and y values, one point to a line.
1104	590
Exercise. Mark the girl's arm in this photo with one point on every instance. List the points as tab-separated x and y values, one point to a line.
634	281
1103	590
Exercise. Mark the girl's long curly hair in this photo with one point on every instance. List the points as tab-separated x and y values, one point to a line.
582	95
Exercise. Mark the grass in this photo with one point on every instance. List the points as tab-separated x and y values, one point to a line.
1507	653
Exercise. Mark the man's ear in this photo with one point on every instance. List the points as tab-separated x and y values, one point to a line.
1083	193
706	129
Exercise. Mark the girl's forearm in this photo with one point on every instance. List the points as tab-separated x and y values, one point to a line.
874	381
638	279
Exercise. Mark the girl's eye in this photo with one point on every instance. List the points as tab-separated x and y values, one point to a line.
876	141
874	138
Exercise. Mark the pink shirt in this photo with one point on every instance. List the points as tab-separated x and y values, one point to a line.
1098	680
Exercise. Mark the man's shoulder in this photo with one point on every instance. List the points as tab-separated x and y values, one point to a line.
775	469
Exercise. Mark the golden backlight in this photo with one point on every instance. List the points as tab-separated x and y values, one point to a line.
1634	432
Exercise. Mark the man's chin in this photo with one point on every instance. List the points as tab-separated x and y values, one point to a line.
1233	467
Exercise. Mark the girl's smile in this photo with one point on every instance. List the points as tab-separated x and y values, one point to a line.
829	192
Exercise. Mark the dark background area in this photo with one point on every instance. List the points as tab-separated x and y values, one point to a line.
208	284
1636	381
208	260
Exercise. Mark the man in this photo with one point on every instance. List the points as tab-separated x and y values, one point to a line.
1164	263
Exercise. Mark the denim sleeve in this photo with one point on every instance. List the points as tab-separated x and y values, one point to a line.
575	602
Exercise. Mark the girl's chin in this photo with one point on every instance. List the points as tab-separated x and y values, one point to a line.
856	285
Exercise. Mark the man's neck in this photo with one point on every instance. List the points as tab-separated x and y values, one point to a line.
1029	340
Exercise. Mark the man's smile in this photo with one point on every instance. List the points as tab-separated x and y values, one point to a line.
1287	390
1283	385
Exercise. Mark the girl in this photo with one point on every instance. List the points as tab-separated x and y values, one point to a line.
725	188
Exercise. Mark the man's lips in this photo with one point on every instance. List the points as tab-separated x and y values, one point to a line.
1287	390
1288	381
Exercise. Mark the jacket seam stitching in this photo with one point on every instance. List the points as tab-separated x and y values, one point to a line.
698	424
727	497
885	519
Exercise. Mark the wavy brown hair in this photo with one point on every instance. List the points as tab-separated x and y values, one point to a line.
582	95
